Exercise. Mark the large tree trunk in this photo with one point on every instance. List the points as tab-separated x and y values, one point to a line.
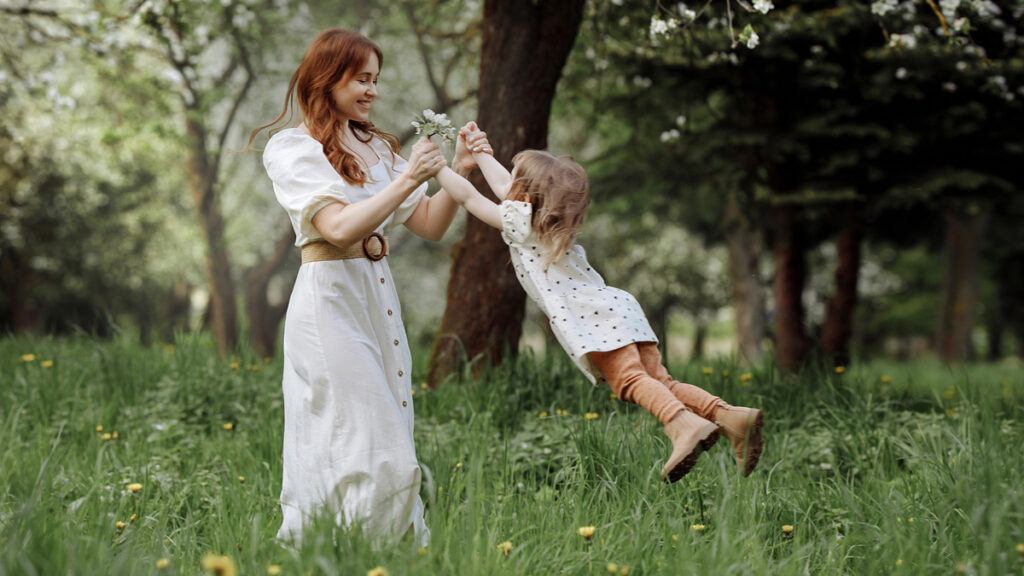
744	246
524	48
835	339
201	182
790	274
959	283
264	318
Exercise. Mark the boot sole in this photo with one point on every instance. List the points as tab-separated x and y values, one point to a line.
684	466
755	443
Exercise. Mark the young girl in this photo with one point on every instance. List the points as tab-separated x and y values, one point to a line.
603	329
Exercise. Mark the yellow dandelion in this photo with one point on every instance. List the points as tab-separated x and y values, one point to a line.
613	396
708	370
235	366
107	436
840	369
458	464
99	428
586	531
698	527
241	479
134	486
162	564
424	385
422	550
255	367
612	567
950	393
910	520
590	415
266	359
899	562
624	571
1020	547
412	392
47	364
787	528
746	376
134	516
885	379
725	372
542	415
378	571
114	435
675	537
219	565
950	412
900	520
228	426
273	570
28	357
120	525
505	547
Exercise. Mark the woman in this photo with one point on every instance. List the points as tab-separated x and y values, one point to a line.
348	439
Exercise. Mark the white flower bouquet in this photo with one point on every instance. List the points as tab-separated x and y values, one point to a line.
434	124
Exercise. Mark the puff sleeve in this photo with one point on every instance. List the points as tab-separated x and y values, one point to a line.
516	221
304	180
398	165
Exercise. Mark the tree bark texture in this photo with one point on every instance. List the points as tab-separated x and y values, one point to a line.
960	283
202	183
838	329
524	49
744	246
790	275
265	318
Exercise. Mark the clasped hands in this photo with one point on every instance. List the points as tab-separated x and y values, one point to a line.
426	159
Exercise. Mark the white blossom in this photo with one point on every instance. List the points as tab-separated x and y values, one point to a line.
949	87
661	27
680	121
902	41
670	135
901	73
763	6
883	7
685	13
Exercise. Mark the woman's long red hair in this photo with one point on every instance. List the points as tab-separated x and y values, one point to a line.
334	56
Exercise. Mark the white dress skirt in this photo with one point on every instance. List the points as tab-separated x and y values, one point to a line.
348	413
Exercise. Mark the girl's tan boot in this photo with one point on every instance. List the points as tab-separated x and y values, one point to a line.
690	435
742	426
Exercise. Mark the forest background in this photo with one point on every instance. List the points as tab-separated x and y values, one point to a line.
818	181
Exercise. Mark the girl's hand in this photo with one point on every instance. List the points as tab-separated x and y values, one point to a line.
425	162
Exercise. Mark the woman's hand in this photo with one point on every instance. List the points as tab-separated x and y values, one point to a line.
471	139
425	162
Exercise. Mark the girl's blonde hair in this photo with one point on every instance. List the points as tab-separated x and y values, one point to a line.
560	193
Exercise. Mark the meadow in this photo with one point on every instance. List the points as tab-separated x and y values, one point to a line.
118	459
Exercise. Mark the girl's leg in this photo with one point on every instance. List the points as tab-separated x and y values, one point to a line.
695	398
742	426
630	381
690	434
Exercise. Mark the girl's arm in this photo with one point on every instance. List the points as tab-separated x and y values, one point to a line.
464	193
345	224
498	178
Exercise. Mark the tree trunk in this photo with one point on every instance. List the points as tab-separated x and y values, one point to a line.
790	274
835	339
202	181
960	283
699	336
744	246
264	318
659	323
524	48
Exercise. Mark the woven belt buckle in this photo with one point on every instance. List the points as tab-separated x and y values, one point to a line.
366	247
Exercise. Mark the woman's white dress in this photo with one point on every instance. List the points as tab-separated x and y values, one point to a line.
348	423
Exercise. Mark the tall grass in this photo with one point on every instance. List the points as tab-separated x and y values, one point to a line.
884	468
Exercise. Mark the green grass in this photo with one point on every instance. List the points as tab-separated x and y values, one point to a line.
917	475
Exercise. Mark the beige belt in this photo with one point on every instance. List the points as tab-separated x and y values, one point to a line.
373	247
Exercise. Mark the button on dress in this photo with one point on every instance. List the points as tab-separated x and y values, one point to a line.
348	422
585	314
